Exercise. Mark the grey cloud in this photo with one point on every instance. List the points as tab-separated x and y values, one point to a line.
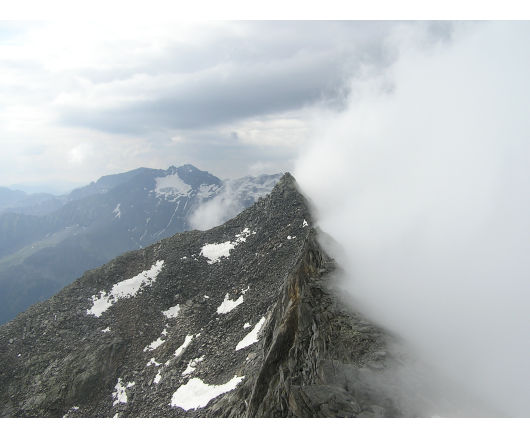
64	88
245	43
224	156
219	97
265	68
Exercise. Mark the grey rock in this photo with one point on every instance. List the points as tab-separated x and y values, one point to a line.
311	358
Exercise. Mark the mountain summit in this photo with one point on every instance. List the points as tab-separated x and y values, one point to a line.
235	321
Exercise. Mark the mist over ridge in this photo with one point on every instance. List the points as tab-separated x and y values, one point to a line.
424	180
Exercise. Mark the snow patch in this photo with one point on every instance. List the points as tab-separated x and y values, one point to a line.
291	237
214	251
152	362
197	394
157	343
207	191
187	341
117	212
157	378
242	237
304	224
124	289
172	312
171	187
251	337
228	305
106	330
72	409
246	325
119	395
192	365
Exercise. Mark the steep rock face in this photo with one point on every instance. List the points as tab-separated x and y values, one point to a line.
320	356
235	321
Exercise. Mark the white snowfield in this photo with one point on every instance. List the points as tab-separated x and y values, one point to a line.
197	394
228	305
252	336
214	251
172	312
171	187
124	289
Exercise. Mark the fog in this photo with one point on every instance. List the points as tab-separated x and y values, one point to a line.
217	210
425	181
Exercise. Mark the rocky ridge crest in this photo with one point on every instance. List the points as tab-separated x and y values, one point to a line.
236	321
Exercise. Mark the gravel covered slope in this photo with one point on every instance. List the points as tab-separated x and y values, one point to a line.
234	321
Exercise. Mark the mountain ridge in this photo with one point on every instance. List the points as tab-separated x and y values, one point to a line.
41	254
190	330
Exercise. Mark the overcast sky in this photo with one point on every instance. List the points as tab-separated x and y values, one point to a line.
81	100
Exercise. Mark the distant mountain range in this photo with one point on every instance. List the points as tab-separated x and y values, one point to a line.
17	201
47	241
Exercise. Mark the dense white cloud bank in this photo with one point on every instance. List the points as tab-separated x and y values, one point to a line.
424	180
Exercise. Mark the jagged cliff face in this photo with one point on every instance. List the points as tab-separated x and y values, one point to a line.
235	321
